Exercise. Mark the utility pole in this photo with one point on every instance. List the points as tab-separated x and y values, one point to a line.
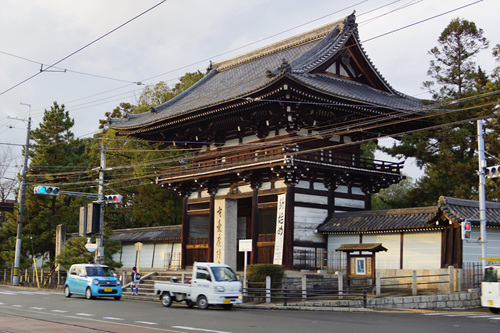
482	196
100	237
22	196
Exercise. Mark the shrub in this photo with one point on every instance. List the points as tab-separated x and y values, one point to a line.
258	272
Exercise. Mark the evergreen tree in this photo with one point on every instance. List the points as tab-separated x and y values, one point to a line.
448	152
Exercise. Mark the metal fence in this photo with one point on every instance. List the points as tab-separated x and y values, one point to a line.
320	259
286	292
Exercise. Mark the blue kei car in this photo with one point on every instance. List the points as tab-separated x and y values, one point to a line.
92	280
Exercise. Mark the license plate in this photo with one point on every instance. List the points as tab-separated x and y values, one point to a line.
227	300
108	290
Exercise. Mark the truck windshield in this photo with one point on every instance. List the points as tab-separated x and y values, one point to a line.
491	274
223	274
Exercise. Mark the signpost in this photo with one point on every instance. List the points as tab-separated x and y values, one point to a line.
245	245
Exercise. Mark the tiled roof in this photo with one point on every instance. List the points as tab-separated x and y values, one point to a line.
458	210
410	219
171	233
392	220
240	77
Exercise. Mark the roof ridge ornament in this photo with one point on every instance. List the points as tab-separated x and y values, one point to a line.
350	22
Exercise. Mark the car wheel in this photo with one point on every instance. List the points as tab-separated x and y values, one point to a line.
117	298
166	299
495	310
227	306
66	291
190	303
88	293
202	302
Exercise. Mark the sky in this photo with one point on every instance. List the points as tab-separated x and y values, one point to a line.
93	55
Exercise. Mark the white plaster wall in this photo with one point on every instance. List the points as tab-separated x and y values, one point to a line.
422	250
319	199
350	203
389	259
306	222
334	241
161	252
473	251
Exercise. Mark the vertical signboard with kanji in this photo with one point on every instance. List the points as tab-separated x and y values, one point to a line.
280	230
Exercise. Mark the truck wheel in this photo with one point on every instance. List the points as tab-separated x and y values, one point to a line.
88	293
190	303
227	306
166	299
202	302
495	310
66	291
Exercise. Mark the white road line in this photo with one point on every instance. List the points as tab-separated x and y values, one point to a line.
36	308
145	322
84	314
59	311
112	318
434	314
187	328
17	306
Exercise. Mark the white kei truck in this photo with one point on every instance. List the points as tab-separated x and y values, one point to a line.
211	284
490	288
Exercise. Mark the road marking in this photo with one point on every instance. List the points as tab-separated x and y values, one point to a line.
59	311
112	318
17	306
84	314
36	308
197	329
145	322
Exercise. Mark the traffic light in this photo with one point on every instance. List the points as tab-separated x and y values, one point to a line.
114	198
466	229
93	218
492	172
47	190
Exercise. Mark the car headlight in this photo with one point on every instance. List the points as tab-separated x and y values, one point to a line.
118	282
220	289
96	282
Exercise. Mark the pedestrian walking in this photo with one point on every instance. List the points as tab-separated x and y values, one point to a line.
136	278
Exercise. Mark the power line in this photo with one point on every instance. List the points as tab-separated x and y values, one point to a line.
82	48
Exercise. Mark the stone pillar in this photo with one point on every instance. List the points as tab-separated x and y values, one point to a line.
60	241
225	232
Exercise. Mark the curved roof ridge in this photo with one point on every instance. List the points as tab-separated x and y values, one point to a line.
306	37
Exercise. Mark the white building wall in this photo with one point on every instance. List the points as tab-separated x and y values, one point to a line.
305	223
151	256
391	258
420	250
473	251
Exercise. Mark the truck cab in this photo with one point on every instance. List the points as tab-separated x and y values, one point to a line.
490	288
211	284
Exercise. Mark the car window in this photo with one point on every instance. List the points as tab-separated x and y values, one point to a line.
202	273
224	274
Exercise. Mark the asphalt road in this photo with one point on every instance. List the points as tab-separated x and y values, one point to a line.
28	310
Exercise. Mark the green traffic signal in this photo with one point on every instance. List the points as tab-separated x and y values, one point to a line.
46	190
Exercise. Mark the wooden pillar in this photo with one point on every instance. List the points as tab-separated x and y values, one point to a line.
254	257
185	232
289	227
211	228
